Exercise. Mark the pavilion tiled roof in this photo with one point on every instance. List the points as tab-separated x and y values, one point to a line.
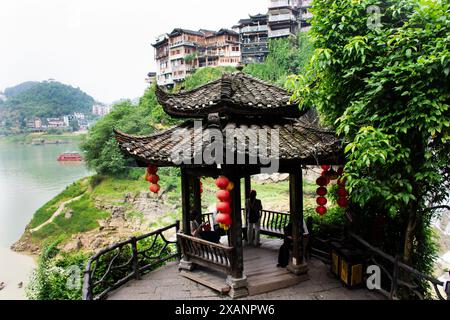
299	139
233	94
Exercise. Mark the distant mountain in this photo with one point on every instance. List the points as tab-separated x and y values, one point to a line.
43	99
16	90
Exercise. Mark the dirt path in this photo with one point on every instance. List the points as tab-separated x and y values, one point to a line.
56	214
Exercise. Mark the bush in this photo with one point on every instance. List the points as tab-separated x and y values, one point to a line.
57	277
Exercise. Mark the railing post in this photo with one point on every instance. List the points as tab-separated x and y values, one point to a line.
135	258
394	284
177	229
87	287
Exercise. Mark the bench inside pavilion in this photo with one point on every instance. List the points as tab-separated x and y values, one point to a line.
244	106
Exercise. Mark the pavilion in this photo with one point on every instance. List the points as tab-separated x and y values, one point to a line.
236	126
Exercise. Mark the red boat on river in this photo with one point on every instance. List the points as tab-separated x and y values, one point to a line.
70	156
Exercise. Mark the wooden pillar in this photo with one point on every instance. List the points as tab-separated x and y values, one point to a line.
236	229
185	202
297	264
237	281
248	186
197	205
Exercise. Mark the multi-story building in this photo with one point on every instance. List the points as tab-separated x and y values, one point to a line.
99	110
55	123
34	123
253	35
287	17
180	52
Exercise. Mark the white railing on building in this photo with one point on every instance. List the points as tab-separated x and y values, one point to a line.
254	29
279	33
281	17
279	3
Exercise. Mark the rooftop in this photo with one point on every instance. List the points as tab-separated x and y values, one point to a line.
235	93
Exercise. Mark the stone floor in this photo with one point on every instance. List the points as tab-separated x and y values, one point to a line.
167	284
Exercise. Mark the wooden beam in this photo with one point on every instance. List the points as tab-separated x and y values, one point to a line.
236	230
296	211
185	202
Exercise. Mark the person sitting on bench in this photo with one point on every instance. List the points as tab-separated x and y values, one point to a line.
283	253
201	230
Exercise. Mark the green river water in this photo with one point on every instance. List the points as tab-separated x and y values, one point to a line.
29	177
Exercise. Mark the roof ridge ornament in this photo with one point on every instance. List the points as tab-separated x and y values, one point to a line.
226	90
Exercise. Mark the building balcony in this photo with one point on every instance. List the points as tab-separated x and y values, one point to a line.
182	43
279	33
161	55
279	4
249	29
282	17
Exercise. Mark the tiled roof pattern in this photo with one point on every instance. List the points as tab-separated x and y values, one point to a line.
298	140
235	93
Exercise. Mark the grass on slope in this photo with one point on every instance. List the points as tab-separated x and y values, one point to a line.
45	212
84	218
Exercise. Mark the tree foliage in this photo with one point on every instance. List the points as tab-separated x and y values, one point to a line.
100	147
287	56
387	89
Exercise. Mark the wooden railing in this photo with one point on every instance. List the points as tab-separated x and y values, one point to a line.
206	253
114	266
398	269
394	272
272	222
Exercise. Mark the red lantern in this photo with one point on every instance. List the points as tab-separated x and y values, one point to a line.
342	202
224	219
151	169
342	193
223	195
153	178
222	182
224	207
325	167
321	201
322	181
340	171
322	191
155	188
321	210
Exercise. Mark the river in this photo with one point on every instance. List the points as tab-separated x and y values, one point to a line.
29	177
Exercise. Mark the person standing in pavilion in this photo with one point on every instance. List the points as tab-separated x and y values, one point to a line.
253	207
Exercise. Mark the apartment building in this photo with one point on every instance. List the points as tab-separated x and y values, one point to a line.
254	38
180	52
287	17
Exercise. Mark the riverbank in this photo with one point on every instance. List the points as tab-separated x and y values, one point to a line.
15	271
42	138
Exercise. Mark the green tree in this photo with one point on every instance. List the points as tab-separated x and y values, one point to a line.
383	80
287	56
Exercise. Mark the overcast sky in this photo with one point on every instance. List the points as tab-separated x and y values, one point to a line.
102	46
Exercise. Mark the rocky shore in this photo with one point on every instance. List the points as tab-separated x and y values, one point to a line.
128	216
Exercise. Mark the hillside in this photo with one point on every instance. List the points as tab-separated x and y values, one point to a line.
42	99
